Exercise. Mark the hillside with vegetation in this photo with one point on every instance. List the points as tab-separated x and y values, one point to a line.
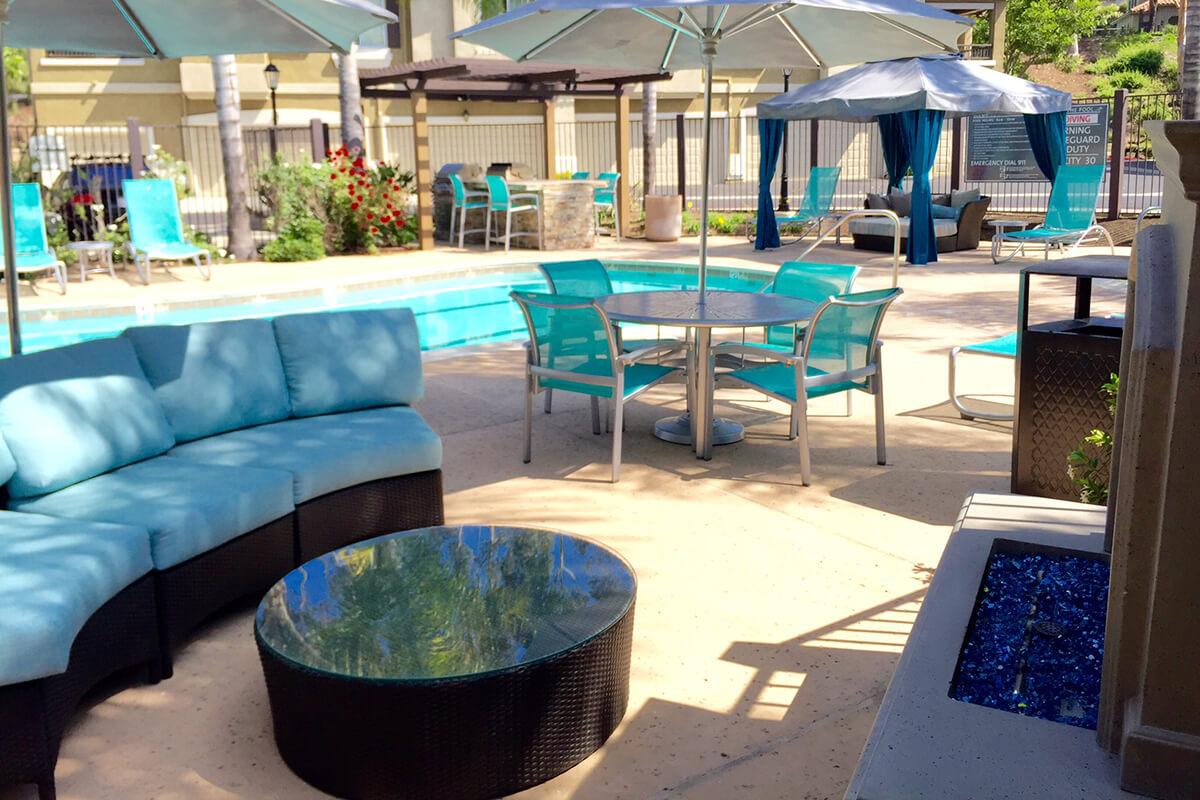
1143	63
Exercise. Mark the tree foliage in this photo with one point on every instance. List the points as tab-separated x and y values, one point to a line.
1040	31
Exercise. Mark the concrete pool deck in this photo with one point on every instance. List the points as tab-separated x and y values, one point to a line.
769	616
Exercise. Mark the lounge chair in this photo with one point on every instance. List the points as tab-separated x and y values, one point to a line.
33	253
1070	216
572	348
815	208
841	353
155	228
1000	347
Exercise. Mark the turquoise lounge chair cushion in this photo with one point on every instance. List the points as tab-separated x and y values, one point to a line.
328	453
349	360
637	377
780	379
188	508
54	574
1041	233
213	377
1000	346
28	261
74	412
8	467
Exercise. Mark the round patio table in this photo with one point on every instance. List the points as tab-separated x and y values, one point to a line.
448	663
683	309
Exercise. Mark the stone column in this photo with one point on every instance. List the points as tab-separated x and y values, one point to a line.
1150	699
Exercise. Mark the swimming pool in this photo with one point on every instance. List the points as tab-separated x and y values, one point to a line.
452	311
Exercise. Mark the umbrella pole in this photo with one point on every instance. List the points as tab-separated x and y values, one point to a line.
10	256
709	51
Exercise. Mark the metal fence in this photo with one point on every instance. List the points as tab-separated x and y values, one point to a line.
87	162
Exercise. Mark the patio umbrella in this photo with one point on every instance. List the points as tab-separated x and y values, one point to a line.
157	29
739	34
911	95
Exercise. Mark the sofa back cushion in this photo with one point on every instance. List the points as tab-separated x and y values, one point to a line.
901	203
8	467
75	412
347	360
214	377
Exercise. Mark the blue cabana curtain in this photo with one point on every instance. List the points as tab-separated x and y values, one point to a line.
895	153
922	130
770	137
1048	136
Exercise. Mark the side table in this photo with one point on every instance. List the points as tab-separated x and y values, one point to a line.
999	226
86	251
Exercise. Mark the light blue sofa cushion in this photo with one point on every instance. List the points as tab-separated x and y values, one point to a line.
330	452
348	360
54	574
213	377
73	412
8	467
188	508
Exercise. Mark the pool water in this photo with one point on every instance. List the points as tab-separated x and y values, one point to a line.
452	311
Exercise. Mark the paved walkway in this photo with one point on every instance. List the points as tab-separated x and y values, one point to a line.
769	615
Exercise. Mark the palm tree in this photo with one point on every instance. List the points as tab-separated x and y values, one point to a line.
649	137
351	100
1189	64
233	155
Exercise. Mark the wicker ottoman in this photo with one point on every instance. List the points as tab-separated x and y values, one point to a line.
466	662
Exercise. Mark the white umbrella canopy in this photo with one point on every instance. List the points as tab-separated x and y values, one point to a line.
934	83
736	34
165	29
192	28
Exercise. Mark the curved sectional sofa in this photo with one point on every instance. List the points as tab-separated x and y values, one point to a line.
154	478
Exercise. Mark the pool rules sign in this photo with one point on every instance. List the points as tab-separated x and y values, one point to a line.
998	148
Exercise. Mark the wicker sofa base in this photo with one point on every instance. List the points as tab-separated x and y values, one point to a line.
884	244
459	739
370	509
201	586
122	634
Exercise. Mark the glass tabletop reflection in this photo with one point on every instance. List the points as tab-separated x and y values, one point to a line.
445	602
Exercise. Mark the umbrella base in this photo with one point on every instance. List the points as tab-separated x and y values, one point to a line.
678	430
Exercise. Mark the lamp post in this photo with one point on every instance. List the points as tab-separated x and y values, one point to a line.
271	74
783	176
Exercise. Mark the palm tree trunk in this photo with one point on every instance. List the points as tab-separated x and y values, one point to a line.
233	155
649	137
1189	67
351	101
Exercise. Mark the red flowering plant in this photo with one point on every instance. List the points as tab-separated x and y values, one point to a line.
366	203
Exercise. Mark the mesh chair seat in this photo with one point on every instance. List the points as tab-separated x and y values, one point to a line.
637	378
1039	234
780	380
1005	346
167	251
31	261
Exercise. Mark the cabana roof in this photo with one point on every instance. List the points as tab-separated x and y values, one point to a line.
934	83
497	79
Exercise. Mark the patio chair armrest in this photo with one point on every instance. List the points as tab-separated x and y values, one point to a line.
652	351
760	352
525	196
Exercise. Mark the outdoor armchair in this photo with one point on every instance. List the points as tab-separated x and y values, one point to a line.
503	201
1070	216
156	229
573	348
33	253
462	201
806	280
841	353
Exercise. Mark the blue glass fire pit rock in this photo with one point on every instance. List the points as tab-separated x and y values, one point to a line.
1036	643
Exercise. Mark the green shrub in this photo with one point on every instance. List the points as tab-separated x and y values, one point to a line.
732	223
1133	81
1147	59
1089	465
300	239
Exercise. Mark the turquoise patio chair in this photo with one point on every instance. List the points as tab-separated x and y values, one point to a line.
841	353
33	253
589	278
816	206
1070	216
572	348
1000	347
503	201
605	199
156	229
464	200
806	280
580	176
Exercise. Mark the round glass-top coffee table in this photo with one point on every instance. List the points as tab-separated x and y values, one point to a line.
450	662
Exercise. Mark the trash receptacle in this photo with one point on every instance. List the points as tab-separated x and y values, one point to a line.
1061	367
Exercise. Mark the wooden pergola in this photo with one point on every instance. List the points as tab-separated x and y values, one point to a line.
465	79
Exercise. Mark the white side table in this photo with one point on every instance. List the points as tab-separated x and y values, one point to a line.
998	226
101	251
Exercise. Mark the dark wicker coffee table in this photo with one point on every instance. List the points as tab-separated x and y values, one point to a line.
451	662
